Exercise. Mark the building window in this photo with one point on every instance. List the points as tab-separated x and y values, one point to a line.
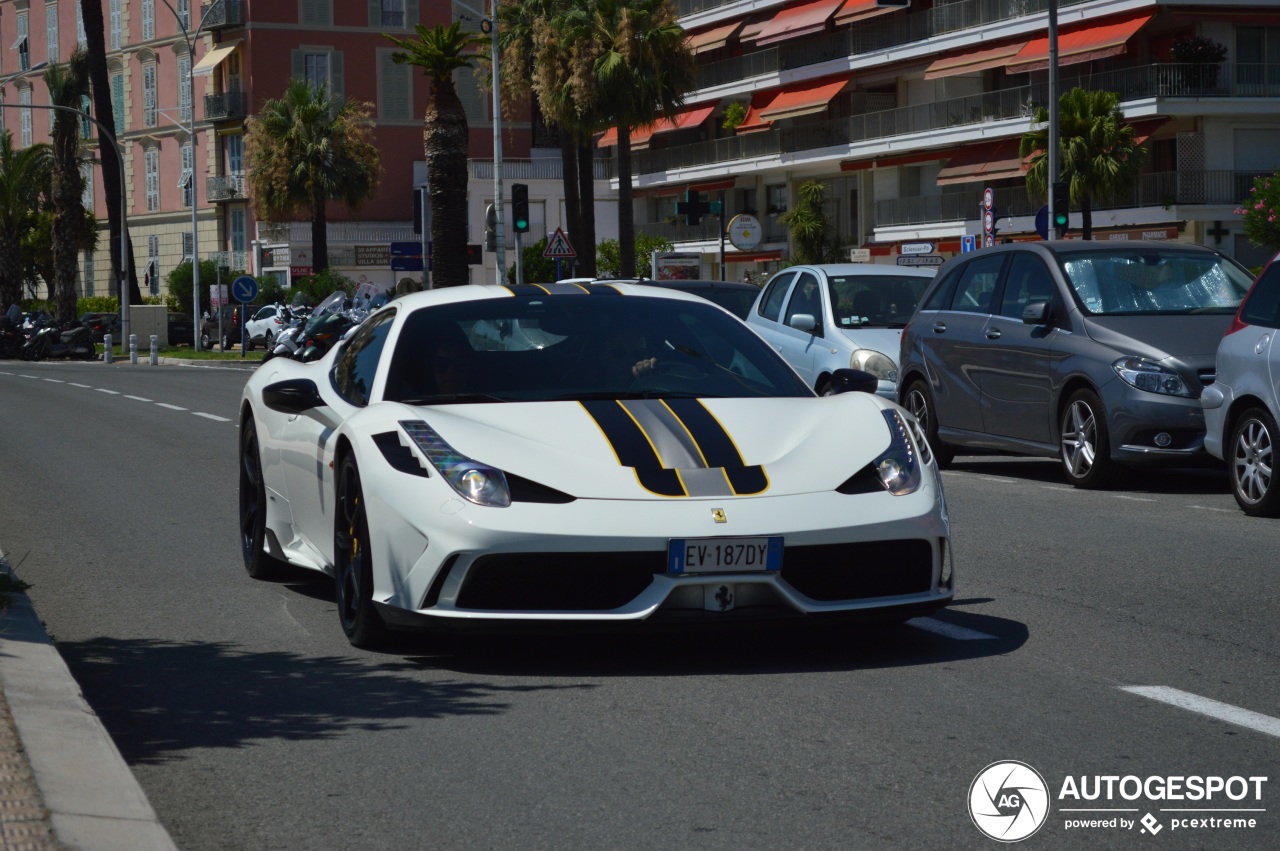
186	180
187	245
236	228
317	69
776	198
392	13
394	88
320	67
152	276
184	14
148	19
153	179
235	155
86	125
149	96
116	16
315	13
24	97
81	39
51	30
232	66
117	101
86	183
88	273
20	44
184	87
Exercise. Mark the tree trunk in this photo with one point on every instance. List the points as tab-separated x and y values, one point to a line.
569	181
319	235
444	140
626	216
68	216
95	35
10	268
585	245
1086	217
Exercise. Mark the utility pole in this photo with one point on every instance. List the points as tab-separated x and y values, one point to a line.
1054	167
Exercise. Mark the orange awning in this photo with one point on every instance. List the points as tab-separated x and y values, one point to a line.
803	98
801	19
856	10
701	42
1080	44
753	122
982	162
640	136
973	60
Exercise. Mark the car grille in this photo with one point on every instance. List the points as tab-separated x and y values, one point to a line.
603	581
859	571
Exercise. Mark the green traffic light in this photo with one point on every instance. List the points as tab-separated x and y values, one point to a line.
1060	221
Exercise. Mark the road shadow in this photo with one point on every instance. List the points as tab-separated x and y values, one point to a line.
160	698
1204	478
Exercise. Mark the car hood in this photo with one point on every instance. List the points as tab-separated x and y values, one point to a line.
1192	340
655	449
887	341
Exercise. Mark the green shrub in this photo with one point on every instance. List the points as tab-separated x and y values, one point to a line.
179	282
97	304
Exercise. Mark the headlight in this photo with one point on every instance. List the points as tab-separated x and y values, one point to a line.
476	482
898	466
881	366
1151	376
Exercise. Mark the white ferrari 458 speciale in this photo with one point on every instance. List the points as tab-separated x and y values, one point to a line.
484	454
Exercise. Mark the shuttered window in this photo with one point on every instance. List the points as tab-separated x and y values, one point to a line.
473	99
148	19
149	96
51	30
116	16
184	87
152	158
315	13
394	88
117	101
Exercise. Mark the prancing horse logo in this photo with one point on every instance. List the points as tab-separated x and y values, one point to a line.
724	597
717	514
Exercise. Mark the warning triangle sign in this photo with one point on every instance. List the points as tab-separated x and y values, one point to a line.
558	246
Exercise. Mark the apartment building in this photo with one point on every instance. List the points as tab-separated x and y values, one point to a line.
242	53
908	115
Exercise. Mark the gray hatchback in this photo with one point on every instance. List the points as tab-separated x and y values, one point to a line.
1095	352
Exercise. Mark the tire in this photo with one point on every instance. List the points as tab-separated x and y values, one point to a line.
1251	463
1085	442
253	509
919	401
823	388
206	342
353	566
226	342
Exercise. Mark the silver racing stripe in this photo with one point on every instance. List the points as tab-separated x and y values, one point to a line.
677	449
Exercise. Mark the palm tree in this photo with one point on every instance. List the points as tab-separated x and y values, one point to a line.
1101	157
640	68
67	83
306	149
24	181
810	227
439	51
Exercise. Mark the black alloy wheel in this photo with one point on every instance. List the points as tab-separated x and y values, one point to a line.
1085	442
226	342
1251	461
920	403
253	509
353	564
206	342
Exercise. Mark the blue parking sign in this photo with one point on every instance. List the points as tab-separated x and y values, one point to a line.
968	242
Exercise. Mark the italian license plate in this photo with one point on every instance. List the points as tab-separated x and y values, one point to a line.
724	555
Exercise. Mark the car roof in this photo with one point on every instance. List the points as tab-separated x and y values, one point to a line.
478	292
682	283
854	269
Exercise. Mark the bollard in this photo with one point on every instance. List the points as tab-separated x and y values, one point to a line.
106	349
155	350
133	348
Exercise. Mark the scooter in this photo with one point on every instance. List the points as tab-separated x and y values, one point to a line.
53	343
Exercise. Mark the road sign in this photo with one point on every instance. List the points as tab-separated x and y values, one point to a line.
988	221
406	256
916	248
744	232
558	246
244	288
859	255
968	243
988	240
988	198
1042	222
921	260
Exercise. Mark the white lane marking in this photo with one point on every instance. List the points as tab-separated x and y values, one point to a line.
85	386
170	407
56	380
112	392
1206	706
949	630
138	398
1211	508
1059	488
211	417
6	373
20	375
997	479
1132	498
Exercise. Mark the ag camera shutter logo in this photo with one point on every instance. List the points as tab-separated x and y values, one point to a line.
1008	801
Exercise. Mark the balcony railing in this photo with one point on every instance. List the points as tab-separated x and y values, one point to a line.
548	168
225	187
236	261
223	13
226	106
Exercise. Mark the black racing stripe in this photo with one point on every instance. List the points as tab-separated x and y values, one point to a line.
603	289
526	290
718	448
633	448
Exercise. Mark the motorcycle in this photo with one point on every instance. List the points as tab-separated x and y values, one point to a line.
334	317
54	343
290	337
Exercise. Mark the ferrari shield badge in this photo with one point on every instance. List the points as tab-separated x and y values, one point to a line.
717	514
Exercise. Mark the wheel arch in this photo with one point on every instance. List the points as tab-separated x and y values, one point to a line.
1069	388
1237	407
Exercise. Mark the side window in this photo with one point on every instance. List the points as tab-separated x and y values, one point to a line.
266	313
1028	281
976	284
940	298
807	298
1262	307
775	292
358	364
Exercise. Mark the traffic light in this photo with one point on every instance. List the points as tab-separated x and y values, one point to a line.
490	228
1061	206
520	207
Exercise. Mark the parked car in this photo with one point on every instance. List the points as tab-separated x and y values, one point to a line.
264	327
1241	407
648	460
181	330
1096	352
226	333
839	316
734	296
101	324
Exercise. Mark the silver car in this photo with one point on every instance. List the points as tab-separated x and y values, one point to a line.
839	316
1095	352
1241	408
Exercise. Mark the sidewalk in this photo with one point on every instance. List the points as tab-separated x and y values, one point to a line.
63	782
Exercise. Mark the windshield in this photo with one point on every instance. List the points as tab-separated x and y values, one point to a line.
886	301
1162	280
580	348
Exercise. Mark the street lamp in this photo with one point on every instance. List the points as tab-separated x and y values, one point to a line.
189	38
103	134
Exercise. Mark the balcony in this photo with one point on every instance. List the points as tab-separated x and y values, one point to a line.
236	261
223	13
544	168
225	188
226	106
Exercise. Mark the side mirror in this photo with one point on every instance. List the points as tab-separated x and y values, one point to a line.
1037	313
293	396
853	381
803	322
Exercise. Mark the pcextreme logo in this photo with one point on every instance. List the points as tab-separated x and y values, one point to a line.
1008	801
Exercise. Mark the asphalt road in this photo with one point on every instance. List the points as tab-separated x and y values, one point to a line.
252	724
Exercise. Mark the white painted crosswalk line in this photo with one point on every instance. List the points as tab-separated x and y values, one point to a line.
1206	706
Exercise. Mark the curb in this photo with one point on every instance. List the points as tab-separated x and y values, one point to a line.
93	800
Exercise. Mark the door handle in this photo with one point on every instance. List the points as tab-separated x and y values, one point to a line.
939	327
993	333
